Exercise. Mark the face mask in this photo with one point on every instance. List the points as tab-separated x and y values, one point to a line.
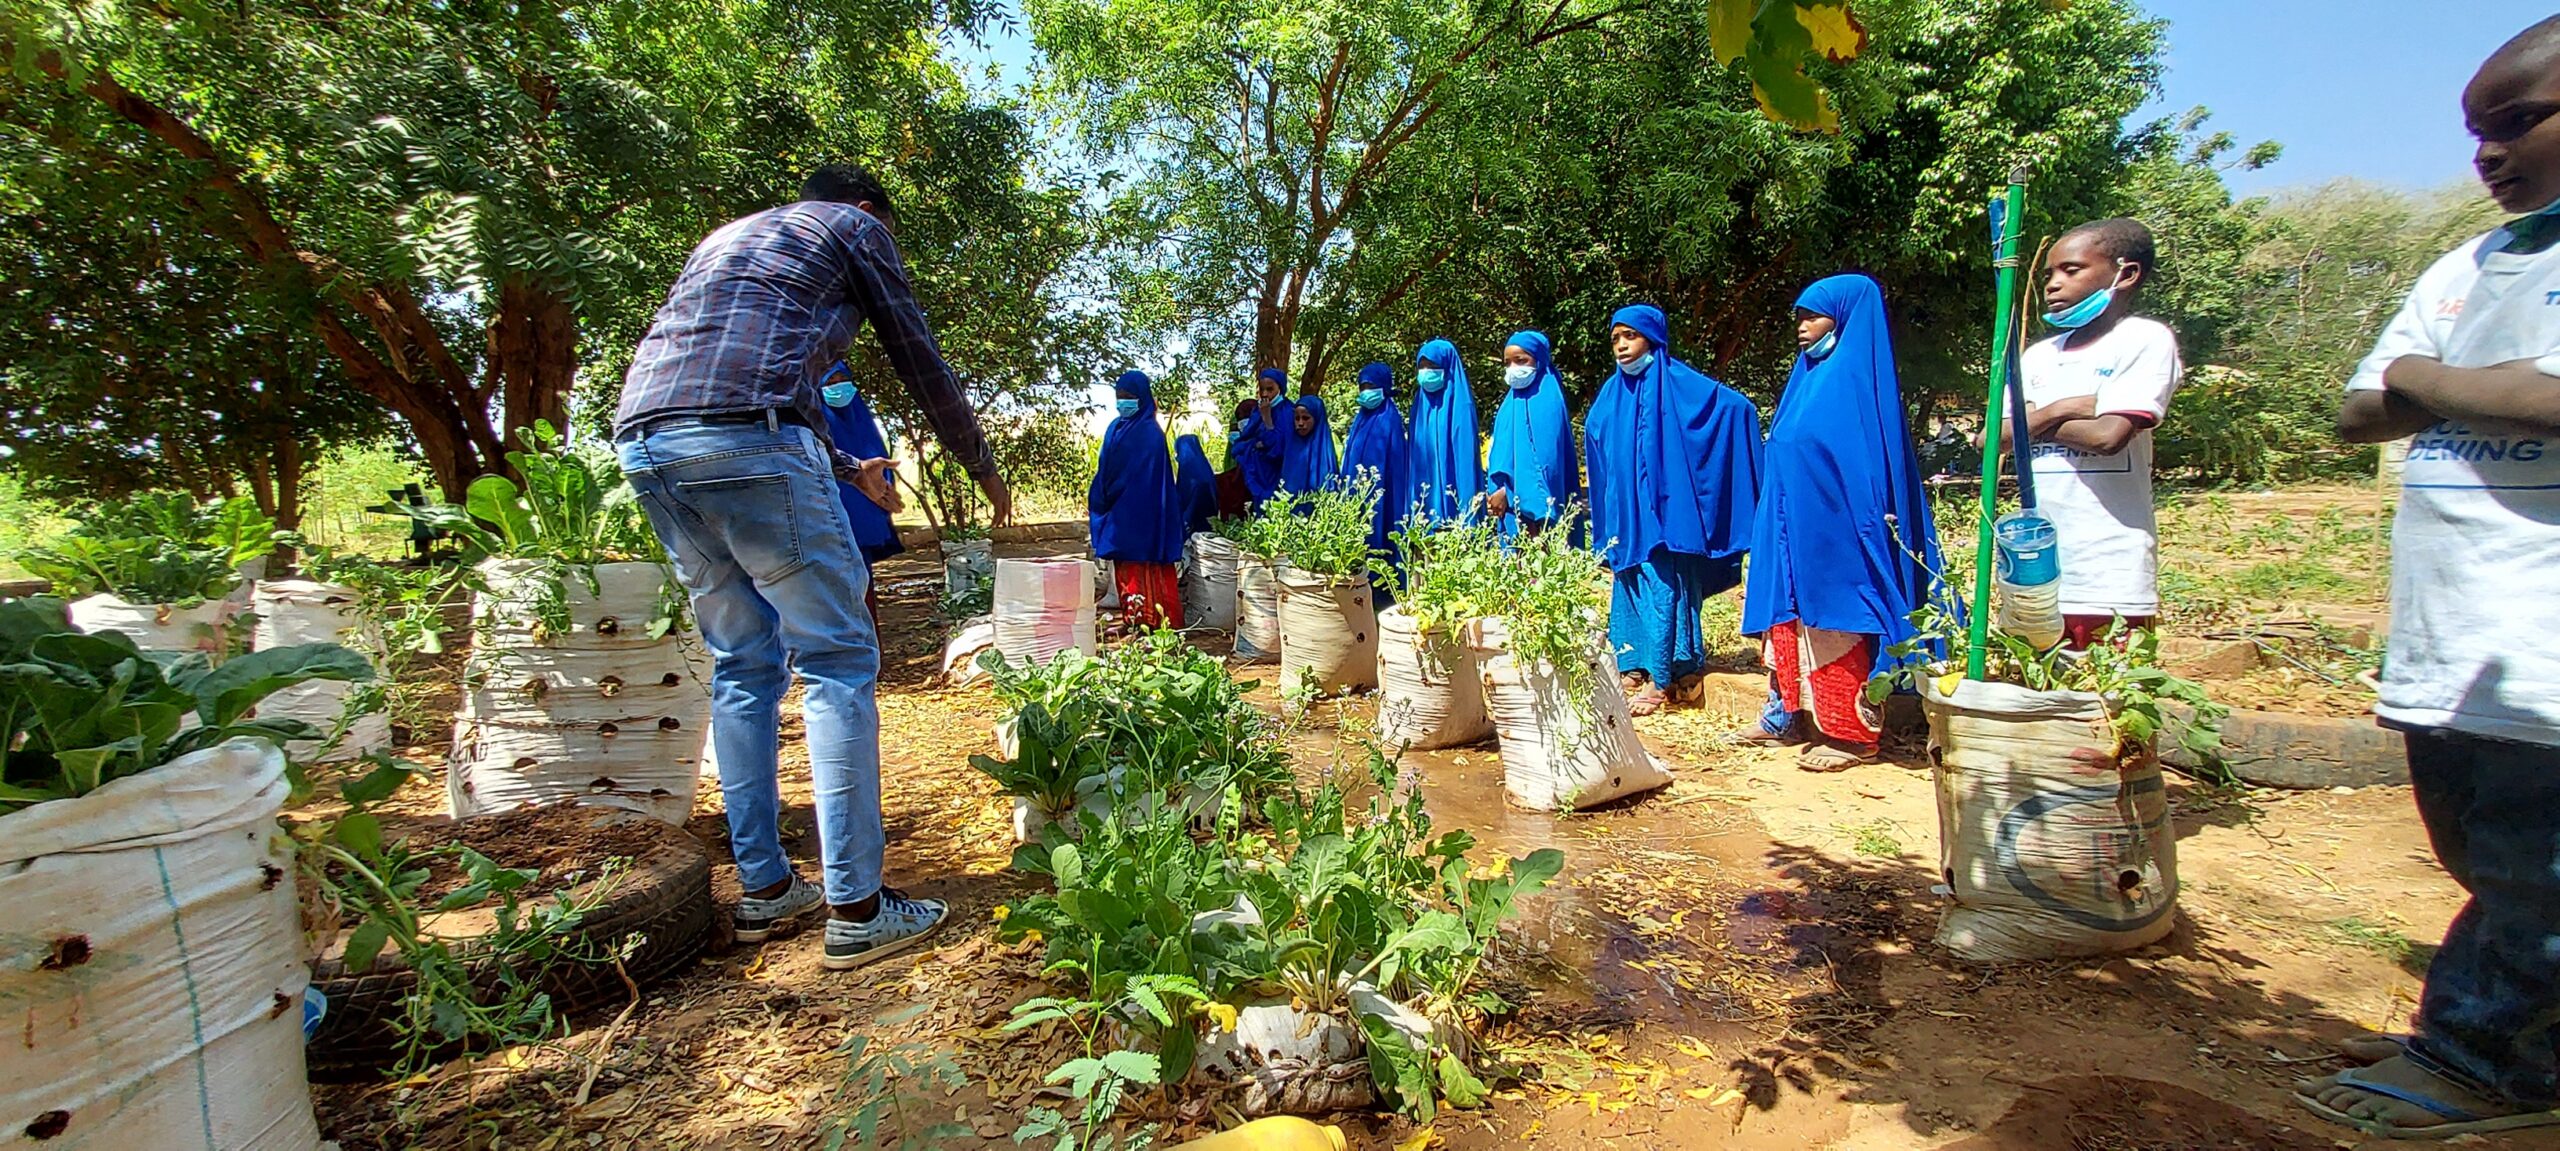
2078	315
1372	399
1519	375
1822	347
1638	366
1128	407
838	395
1431	379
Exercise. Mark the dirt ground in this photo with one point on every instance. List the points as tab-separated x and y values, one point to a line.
1742	960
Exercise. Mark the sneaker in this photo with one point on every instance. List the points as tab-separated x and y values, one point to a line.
757	920
901	923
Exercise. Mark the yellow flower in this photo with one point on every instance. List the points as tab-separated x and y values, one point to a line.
1223	1014
1031	936
1002	911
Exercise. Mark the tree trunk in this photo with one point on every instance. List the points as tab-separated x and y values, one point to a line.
288	509
533	354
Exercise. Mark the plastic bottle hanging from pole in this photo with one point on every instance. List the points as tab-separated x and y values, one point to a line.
2029	565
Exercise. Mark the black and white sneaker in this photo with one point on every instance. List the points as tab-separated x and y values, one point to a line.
901	923
757	920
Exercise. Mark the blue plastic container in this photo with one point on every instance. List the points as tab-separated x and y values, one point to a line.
2027	556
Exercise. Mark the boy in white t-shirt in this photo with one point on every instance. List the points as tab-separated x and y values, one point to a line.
2093	395
2472	676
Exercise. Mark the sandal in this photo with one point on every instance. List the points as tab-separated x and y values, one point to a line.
1828	756
1646	702
2418	1094
1759	735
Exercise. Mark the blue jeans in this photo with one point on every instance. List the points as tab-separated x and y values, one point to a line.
750	517
2487	1017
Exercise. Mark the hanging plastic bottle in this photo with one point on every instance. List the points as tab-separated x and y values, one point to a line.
1277	1133
2029	565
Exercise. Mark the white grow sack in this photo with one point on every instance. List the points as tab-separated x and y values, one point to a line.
1328	634
1209	583
1044	607
158	626
1430	691
1257	610
602	715
301	611
2049	845
1555	754
151	962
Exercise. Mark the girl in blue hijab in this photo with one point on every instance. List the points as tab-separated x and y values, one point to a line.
1376	447
1261	438
1195	485
1843	548
1135	522
1674	459
1308	463
1448	469
856	432
1532	471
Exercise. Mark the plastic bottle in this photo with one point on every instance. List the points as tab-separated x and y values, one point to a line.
1277	1133
2030	573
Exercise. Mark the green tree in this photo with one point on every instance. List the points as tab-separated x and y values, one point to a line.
468	205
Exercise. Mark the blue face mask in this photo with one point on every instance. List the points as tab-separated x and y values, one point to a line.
838	395
1128	406
1637	366
2090	308
1431	379
1822	347
1372	399
1519	375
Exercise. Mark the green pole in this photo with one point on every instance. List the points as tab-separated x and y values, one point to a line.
2008	219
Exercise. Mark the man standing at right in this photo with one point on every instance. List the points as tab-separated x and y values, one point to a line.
2472	676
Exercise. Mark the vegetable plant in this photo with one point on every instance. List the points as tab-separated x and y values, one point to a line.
1551	596
575	510
155	548
2123	668
80	711
1325	532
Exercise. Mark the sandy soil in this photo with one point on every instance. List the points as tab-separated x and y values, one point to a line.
1742	960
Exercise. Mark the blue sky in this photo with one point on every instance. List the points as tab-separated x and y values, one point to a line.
2363	88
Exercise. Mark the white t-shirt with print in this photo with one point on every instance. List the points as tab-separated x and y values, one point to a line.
2101	505
2475	551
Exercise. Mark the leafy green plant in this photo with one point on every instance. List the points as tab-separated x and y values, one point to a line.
884	1082
1551	596
574	507
483	989
2123	668
155	547
1253	534
1326	532
80	711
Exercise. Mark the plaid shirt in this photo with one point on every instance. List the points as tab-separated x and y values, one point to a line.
768	303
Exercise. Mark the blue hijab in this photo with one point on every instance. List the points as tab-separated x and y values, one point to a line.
1130	507
1448	471
1840	462
1674	457
1195	484
856	432
1256	448
1533	440
1376	445
1309	463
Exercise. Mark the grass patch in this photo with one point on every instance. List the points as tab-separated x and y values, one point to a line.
1874	839
2278	579
2388	942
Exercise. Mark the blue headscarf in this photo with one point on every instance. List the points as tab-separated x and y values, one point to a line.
1195	484
1308	464
1448	471
1533	440
856	432
1840	461
1130	507
1376	445
1673	456
1258	447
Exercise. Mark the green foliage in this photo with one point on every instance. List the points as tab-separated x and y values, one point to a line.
1154	924
80	711
1323	533
1152	718
886	1082
2123	668
156	547
574	506
1551	596
485	989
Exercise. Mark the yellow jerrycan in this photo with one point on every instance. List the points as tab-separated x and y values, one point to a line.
1277	1133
